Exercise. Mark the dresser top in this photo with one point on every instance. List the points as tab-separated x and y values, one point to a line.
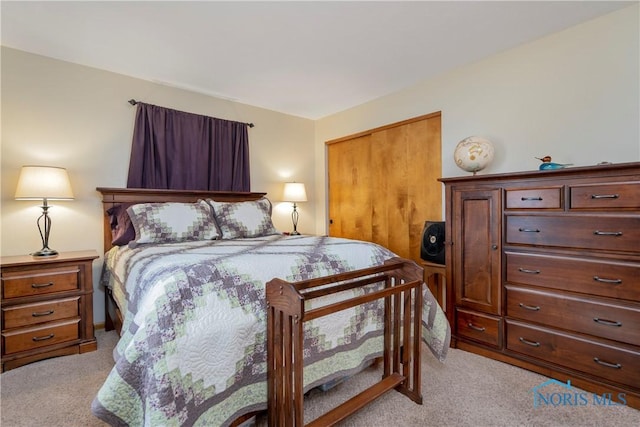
612	169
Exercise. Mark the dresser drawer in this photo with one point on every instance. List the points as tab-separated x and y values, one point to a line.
615	233
534	198
39	282
23	339
479	327
30	314
618	195
585	275
616	363
580	314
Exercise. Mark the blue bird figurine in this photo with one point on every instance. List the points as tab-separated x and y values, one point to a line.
548	164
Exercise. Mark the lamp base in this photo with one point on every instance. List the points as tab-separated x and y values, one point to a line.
44	252
294	233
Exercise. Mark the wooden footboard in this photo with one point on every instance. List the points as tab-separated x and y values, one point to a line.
286	314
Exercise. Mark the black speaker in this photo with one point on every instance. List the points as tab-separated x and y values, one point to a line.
432	247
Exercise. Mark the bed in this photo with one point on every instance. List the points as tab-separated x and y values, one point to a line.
191	312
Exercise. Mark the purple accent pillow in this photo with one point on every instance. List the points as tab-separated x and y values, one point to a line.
122	231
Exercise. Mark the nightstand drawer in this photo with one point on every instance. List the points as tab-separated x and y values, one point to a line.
534	198
39	282
29	338
31	314
479	327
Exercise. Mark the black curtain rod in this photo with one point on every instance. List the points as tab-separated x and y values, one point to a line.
134	102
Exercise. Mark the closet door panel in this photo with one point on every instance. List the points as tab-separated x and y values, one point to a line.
350	201
424	167
389	157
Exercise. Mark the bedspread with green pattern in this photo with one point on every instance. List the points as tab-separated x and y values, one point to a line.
193	344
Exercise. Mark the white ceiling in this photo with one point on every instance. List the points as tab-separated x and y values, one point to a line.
309	59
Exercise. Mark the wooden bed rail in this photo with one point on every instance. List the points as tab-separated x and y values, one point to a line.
286	314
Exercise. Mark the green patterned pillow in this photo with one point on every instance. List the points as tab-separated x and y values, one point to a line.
172	222
243	219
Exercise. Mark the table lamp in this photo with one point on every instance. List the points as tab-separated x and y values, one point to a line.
44	183
294	192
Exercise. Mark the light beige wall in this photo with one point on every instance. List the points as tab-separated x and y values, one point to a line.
60	114
574	95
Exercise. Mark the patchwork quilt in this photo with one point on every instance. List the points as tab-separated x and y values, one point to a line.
193	344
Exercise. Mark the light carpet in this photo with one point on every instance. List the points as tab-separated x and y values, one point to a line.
467	390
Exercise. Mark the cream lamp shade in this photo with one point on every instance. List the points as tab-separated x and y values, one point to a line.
294	192
44	183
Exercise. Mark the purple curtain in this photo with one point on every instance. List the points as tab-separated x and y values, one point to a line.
183	151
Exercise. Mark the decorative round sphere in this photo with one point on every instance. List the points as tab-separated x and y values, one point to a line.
473	154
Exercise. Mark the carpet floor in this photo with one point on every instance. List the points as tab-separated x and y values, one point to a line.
467	390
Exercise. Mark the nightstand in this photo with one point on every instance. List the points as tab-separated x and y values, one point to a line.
47	307
435	276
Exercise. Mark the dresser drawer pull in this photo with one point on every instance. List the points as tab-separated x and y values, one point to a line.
600	279
604	196
607	364
524	270
531	343
476	328
530	307
41	285
44	338
527	199
607	233
42	313
528	230
606	322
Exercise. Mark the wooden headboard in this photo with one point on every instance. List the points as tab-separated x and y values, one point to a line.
114	196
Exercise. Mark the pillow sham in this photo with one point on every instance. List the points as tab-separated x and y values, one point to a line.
243	219
172	222
122	231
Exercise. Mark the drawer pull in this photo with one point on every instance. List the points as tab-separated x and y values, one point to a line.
476	328
41	285
604	196
531	343
528	230
524	270
600	279
42	313
607	364
44	338
527	199
530	307
607	233
606	322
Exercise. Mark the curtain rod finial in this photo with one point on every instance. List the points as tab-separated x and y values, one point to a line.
132	101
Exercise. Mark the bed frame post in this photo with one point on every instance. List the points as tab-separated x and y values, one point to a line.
402	294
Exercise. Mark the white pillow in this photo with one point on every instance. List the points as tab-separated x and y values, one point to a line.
243	219
172	222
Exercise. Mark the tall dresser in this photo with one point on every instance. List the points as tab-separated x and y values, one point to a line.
543	272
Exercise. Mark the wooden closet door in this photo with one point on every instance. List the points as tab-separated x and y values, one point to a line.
349	165
383	184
